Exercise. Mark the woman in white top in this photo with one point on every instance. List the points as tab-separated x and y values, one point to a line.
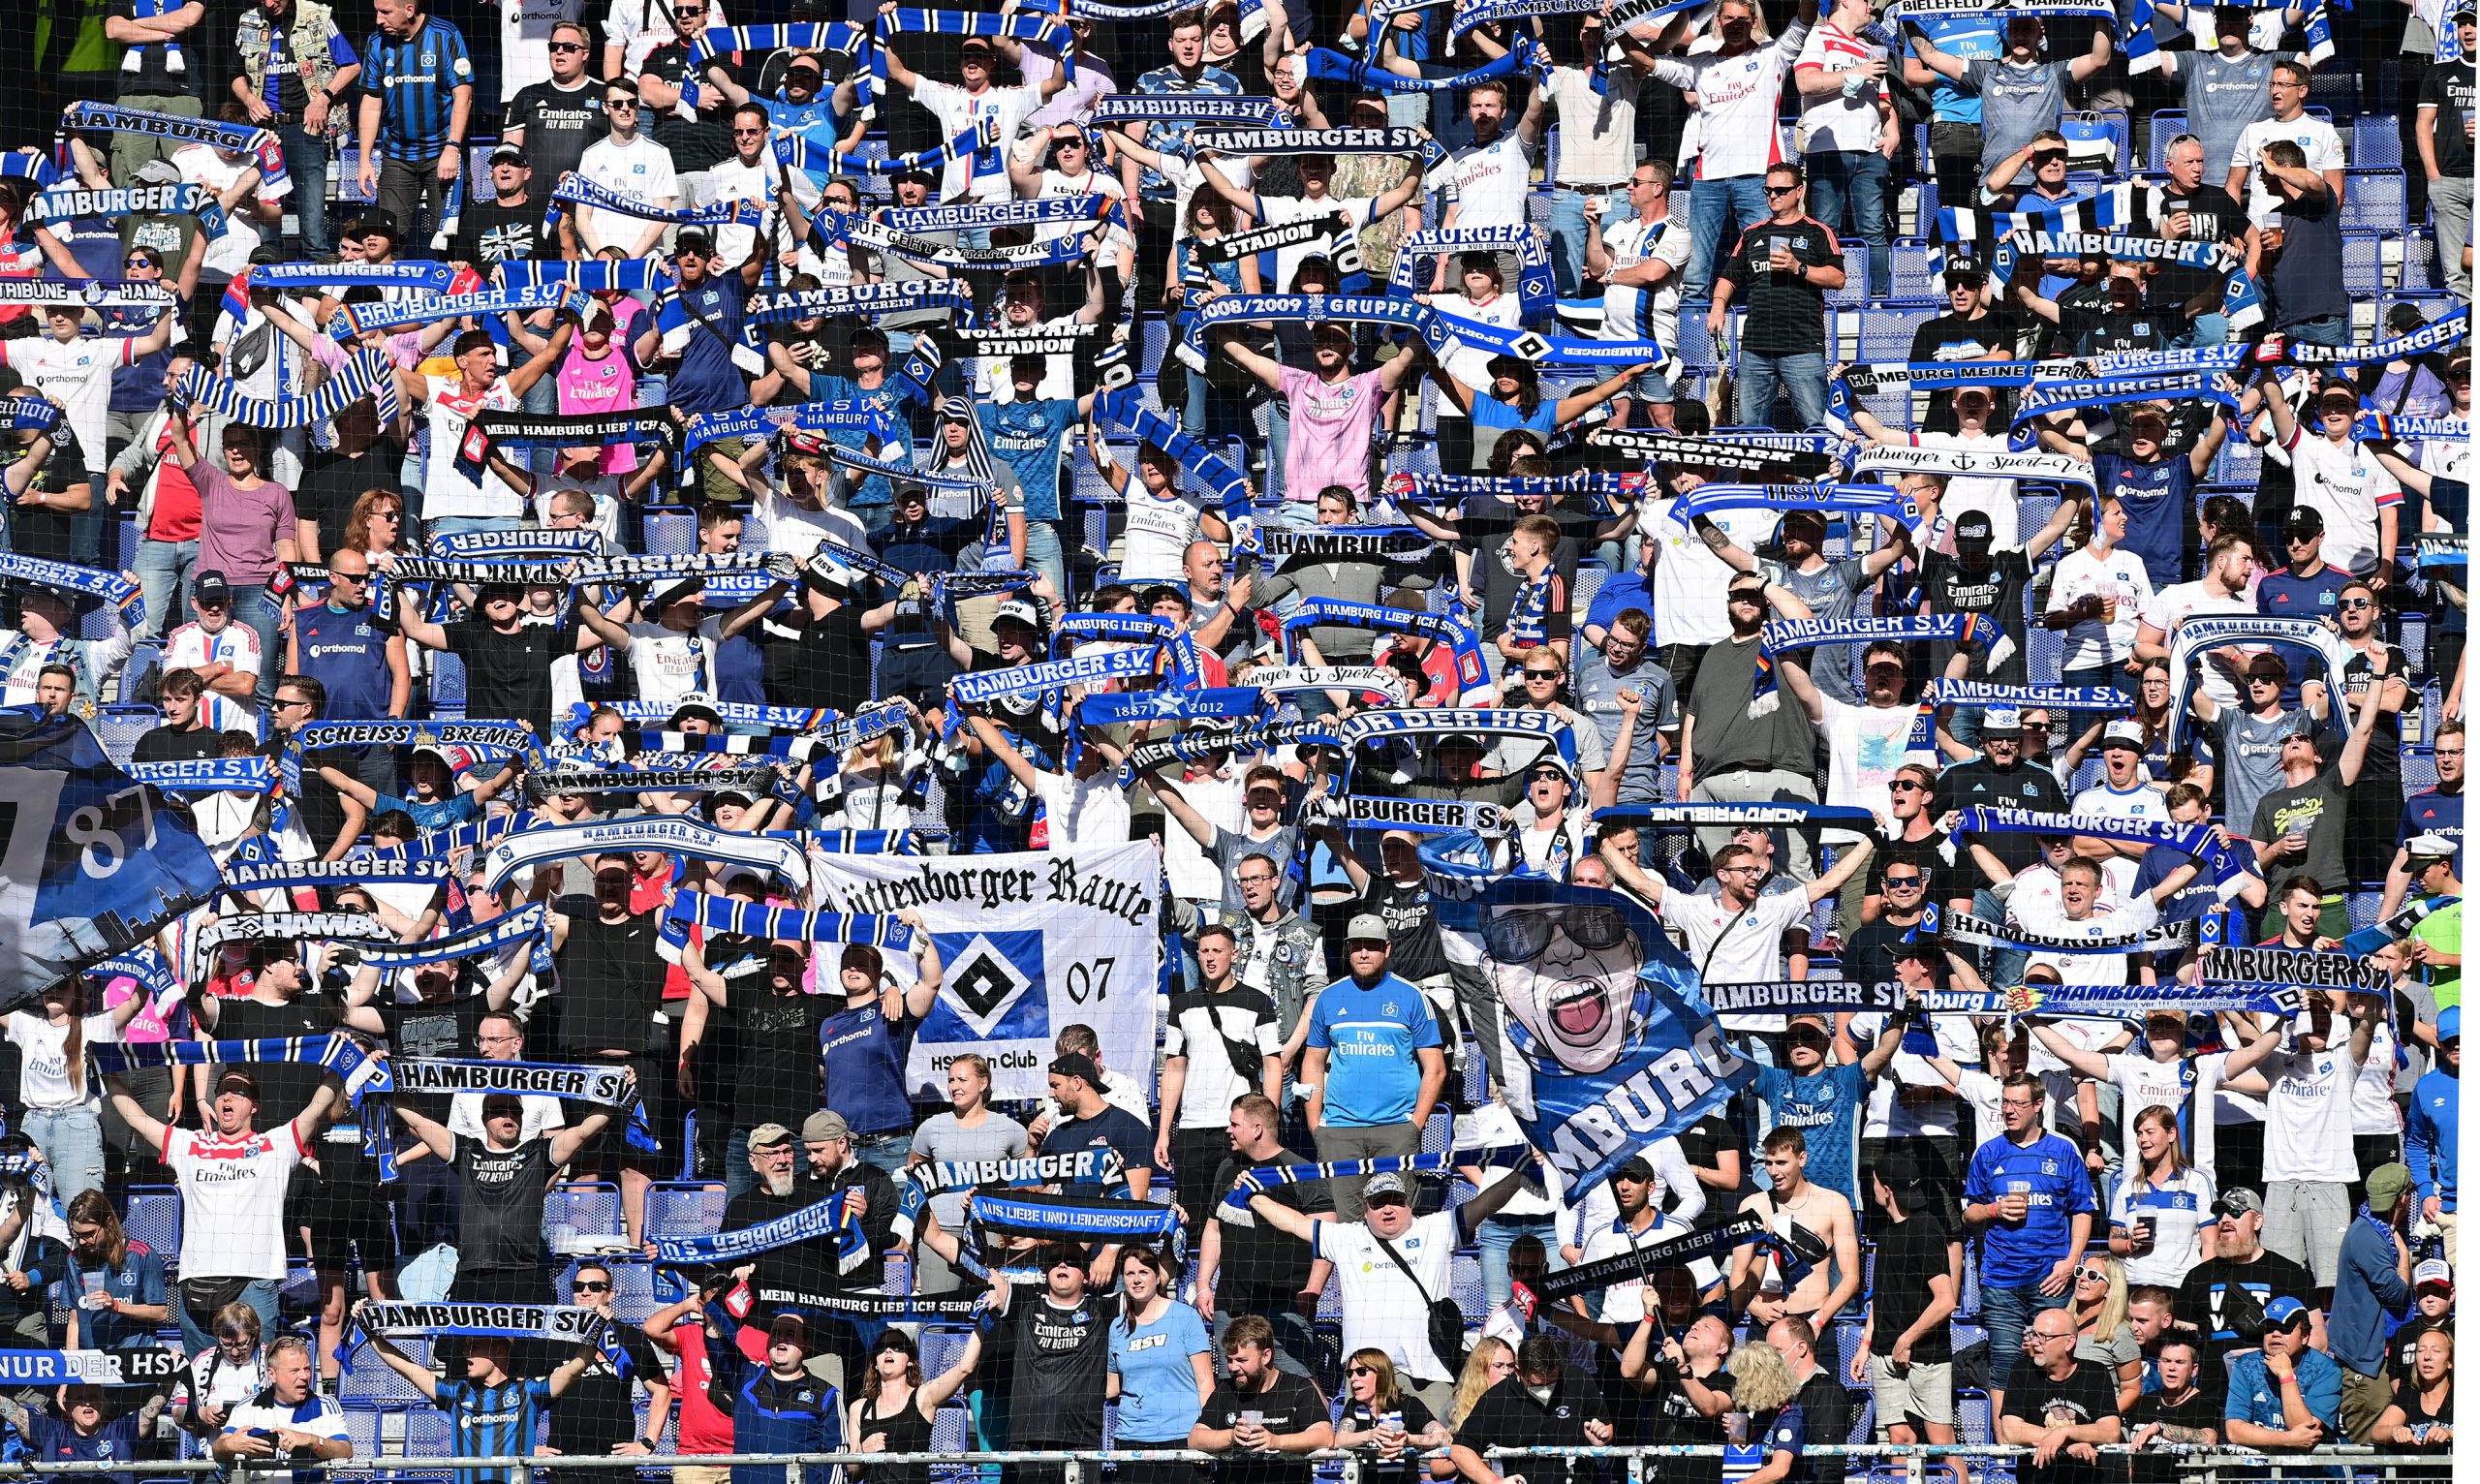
61	1105
2162	1221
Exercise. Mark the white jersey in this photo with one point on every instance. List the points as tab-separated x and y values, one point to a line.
1731	947
236	644
982	175
233	1193
1155	544
1690	582
1488	182
2307	1117
640	168
1383	1309
2316	139
1737	98
2346	485
2120	575
448	492
1632	312
2174	604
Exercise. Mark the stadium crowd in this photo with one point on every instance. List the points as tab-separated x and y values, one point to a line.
1937	527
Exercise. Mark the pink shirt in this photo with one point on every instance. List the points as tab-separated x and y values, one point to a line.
238	528
1330	431
589	387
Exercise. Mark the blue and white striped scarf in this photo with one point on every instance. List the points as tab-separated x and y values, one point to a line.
109	587
1229	485
756	920
241	138
529	925
1185	109
838	36
398	314
668	836
369	372
1366	75
361	1073
574	189
642	275
830	1218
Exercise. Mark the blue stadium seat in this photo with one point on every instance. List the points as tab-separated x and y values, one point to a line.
2167	125
2363	262
446	684
154	1218
1887	328
372	1382
684	1210
669	531
1912	278
1857	289
2373	201
118	729
2421	269
2376	139
139	674
588	1211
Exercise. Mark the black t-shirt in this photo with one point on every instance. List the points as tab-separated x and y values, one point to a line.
1921	856
778	1078
177	744
610	981
2305	278
1909	1254
1955	337
1508	1416
1411	924
559	126
2219	1295
500	1204
2383	770
1827	1408
2025	786
510	674
1063	1356
1262	1268
817	662
2404	1349
1291	1405
1487	522
1785	313
1358	1417
434	1031
2085	1396
2113	331
332	482
2198	1410
595	1412
2212	217
489	233
1676	1419
42	531
705	140
2448	88
1703	1144
1997	590
285	1088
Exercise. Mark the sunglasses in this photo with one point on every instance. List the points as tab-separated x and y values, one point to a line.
630	104
1788	190
1906	786
1359	1371
567	45
2348	604
2090	1276
1901	882
1517	937
1541	674
141	262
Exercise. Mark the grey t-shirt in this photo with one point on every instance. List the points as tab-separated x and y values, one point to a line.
943	1139
2248	755
1830	591
2016	103
2223	98
1734	726
1598	687
1231	847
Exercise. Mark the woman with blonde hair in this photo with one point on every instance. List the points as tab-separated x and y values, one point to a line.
376	528
1763	1388
1492	1360
2102	1333
1383	1420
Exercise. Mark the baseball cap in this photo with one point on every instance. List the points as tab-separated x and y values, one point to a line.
2001	719
1368	927
768	1135
1077	1064
1385	1188
974	44
2237	1200
819	1128
210	586
1967	271
1973	526
2433	1273
2304	520
499	1104
2123	734
507	154
1637	1168
2450	1023
1021	610
2388	1184
2286	1313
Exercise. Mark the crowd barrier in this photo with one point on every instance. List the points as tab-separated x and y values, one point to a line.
1911	1464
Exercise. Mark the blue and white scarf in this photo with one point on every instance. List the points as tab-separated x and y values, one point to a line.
361	870
527	925
240	138
642	275
369	371
64	202
1217	476
756	920
576	190
1472	664
209	775
1364	74
361	1073
1853	500
830	1218
666	836
397	314
107	587
837	36
1183	109
2197	840
1265	1178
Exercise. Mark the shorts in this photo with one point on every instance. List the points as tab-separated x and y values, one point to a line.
1925	1393
2305	1221
659	1086
345	1208
1649	386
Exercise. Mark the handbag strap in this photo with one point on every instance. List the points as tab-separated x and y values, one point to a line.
1418	1286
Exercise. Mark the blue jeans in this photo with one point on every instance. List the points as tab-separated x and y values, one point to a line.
164	571
2115	676
1567	233
2208	329
252	605
1043	553
72	1141
2324	329
259	1293
888	1152
2005	965
1857	178
1802	378
2007	1312
1716	211
1278	445
305	157
1497	1234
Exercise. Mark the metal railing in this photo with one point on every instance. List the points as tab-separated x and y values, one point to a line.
1915	1462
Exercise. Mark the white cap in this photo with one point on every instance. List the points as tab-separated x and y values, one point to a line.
2126	733
1022	610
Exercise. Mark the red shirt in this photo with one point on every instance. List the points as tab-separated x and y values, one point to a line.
175	515
702	1428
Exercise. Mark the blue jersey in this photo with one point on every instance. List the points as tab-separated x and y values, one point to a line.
139	1280
2281	595
1373	1036
2257	1397
2430	814
2157	493
492	1421
1158	1401
707	381
1027	437
2050	1173
416	80
864	1058
1974	39
51	1439
346	650
1827	1110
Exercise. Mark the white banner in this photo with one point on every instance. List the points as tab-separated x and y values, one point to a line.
1028	945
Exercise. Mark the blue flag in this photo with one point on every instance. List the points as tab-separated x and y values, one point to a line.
96	861
1592	1021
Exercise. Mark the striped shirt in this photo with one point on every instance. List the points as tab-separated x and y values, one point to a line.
416	80
492	1421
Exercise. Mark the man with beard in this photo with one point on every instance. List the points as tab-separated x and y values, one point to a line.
2225	1296
1248	1267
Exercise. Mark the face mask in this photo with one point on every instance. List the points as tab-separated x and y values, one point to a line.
1540	1394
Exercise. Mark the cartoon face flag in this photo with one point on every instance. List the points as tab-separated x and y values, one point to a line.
1605	1044
93	862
